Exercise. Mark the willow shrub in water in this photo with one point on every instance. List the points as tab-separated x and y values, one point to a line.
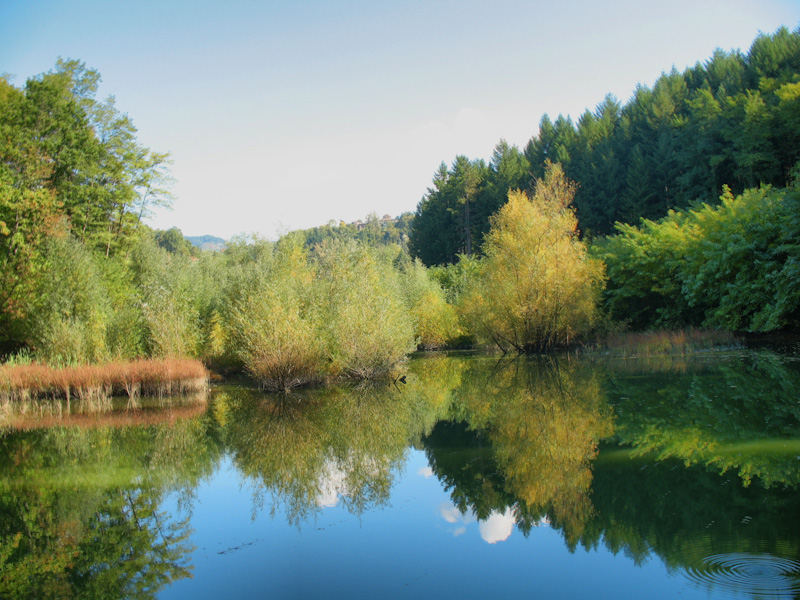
273	324
293	321
364	318
536	287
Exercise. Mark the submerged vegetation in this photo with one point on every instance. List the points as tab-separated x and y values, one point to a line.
511	255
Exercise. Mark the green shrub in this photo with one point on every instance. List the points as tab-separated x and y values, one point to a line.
272	324
435	320
165	284
362	313
67	324
733	266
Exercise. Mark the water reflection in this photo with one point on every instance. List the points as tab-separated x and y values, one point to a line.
305	451
81	507
739	414
497	527
681	462
692	463
759	575
541	421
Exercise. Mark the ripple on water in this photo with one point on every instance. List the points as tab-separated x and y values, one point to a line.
756	575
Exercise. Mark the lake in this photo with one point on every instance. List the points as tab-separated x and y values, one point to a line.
479	476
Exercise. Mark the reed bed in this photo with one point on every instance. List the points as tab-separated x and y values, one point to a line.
96	384
678	342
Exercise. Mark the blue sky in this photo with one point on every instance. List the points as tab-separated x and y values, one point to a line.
284	115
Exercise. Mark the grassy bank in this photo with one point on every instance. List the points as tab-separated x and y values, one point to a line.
148	377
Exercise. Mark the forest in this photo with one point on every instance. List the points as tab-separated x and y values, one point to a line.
678	209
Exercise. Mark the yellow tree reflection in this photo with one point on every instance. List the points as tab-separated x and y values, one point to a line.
544	418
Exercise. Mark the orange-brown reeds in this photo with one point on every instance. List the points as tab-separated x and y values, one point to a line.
96	383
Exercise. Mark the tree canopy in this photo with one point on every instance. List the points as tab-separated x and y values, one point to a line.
69	165
732	120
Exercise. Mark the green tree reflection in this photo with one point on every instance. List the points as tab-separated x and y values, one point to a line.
682	447
737	412
315	448
543	419
685	514
80	507
678	460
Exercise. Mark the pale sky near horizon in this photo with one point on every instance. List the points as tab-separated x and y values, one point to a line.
284	115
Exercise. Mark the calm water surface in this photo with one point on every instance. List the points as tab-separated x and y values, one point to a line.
550	478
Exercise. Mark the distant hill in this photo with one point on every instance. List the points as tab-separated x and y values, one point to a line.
207	242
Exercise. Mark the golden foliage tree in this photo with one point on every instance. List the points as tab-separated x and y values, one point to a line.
537	287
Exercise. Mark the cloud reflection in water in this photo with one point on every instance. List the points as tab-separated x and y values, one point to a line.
496	528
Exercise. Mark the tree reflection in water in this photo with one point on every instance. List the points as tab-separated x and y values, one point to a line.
80	508
343	445
543	419
737	413
682	460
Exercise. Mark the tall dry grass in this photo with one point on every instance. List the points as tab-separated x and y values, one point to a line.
98	383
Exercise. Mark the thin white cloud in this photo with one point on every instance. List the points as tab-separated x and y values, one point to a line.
454	516
449	512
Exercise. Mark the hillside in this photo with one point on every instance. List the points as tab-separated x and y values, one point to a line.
207	242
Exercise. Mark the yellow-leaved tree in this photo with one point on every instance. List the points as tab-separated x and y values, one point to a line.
537	287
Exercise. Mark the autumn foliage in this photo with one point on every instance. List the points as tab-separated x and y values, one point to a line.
537	287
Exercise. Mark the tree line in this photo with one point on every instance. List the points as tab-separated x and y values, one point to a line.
70	165
732	121
516	254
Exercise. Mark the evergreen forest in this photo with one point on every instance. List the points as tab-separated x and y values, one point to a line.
680	208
